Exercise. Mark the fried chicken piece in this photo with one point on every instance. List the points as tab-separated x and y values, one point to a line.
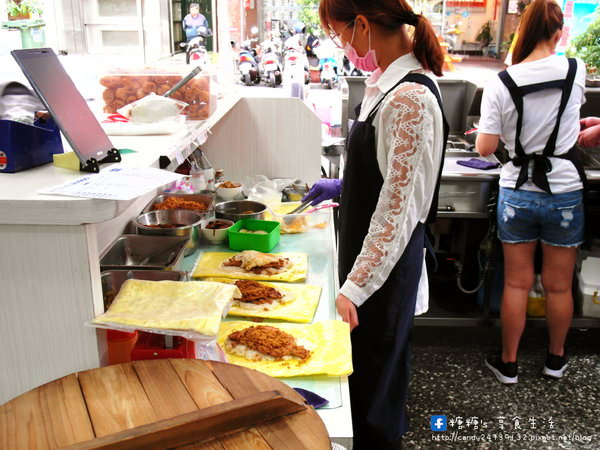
257	293
269	341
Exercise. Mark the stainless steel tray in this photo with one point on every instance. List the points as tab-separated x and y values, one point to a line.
138	252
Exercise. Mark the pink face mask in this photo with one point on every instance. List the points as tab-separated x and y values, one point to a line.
367	63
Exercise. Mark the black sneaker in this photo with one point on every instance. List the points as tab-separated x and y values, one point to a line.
507	373
555	365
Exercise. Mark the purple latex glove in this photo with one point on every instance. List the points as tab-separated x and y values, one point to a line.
324	189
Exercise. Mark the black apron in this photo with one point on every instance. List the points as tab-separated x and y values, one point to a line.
380	351
541	162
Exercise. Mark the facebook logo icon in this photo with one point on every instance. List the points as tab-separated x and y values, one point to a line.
438	423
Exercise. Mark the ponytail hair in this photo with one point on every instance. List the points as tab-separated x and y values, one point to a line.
426	46
541	19
391	15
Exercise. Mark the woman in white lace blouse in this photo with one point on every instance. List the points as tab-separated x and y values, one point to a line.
394	158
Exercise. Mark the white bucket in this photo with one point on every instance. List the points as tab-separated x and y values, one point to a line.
589	287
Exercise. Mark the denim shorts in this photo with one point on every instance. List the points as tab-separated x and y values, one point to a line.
528	216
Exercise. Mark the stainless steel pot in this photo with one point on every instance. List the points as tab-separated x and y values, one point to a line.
186	224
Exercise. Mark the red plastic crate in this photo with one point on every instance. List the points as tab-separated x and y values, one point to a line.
152	346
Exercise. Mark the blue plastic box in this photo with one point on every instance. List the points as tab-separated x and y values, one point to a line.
24	146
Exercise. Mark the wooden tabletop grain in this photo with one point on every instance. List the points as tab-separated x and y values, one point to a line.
113	406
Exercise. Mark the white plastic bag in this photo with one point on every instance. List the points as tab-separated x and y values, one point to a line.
152	108
264	190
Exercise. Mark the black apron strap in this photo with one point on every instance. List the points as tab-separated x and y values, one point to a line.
517	98
566	93
357	109
380	101
541	162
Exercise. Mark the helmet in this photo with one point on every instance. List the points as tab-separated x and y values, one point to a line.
299	27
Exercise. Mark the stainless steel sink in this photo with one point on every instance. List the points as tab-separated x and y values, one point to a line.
464	196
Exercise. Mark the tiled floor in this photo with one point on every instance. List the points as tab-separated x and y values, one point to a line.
449	378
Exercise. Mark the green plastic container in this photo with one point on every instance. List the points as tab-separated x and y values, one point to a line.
32	32
251	241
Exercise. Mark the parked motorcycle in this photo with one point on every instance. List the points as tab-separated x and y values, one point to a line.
248	65
271	64
328	65
195	48
295	72
295	66
329	76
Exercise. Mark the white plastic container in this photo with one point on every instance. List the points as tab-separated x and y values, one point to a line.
589	287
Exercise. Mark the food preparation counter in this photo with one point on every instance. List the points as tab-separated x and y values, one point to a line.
320	247
51	244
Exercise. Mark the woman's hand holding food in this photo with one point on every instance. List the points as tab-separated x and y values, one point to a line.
347	310
324	189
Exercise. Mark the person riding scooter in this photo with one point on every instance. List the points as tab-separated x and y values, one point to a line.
193	21
195	48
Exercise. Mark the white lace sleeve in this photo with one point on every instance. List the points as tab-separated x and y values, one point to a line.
406	129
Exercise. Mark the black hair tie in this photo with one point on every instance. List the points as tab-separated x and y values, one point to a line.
413	19
408	18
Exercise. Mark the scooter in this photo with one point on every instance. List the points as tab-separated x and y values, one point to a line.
295	72
271	66
295	66
328	68
248	66
195	48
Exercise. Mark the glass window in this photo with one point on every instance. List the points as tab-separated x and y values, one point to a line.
110	8
120	38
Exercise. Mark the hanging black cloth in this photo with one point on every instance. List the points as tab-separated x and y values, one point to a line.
541	162
380	350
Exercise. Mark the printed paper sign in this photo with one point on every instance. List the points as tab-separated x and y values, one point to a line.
115	183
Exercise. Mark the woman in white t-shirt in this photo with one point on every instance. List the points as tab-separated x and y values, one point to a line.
533	107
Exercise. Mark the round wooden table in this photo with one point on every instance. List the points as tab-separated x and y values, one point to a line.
169	403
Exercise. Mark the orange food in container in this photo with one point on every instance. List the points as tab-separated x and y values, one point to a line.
124	86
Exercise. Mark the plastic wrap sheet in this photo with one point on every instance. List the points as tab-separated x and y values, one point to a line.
195	308
331	354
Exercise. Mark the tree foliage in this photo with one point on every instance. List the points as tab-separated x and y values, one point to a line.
587	45
309	14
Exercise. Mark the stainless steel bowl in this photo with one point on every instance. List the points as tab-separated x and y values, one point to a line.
186	224
240	209
206	197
